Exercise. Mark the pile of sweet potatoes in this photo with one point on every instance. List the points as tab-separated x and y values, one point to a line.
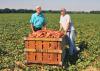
46	34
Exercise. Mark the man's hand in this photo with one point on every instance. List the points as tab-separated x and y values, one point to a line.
65	33
33	31
44	27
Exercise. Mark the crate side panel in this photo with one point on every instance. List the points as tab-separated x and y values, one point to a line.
31	44
45	45
39	57
31	57
45	58
52	45
39	45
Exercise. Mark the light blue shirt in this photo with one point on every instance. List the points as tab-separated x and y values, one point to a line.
37	20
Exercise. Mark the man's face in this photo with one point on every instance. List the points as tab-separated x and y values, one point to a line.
62	12
38	10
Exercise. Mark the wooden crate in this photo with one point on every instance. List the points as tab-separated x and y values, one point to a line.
43	50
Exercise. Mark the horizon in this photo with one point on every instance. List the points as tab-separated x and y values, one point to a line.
50	10
70	5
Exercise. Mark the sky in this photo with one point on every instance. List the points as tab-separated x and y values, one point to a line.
72	5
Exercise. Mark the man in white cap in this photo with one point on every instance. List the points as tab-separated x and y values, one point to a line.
37	20
68	27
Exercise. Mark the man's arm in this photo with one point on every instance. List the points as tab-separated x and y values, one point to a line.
60	24
32	27
60	27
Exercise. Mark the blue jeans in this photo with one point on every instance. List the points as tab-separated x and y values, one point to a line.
71	41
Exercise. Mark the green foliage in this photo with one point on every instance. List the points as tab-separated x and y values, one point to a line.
14	27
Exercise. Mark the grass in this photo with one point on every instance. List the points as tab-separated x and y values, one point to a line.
13	27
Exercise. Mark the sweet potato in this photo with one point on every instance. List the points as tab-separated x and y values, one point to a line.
47	34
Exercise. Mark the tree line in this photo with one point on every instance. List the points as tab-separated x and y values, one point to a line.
7	10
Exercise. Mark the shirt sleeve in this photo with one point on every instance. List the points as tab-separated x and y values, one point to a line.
32	19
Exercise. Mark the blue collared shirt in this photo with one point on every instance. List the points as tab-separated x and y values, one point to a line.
37	20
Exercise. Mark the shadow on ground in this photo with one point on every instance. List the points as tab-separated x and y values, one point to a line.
71	59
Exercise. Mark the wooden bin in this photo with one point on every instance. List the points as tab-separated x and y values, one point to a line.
43	50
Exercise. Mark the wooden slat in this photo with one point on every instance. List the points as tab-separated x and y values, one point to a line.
55	63
43	39
45	51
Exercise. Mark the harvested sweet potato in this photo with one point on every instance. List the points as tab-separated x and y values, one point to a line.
47	34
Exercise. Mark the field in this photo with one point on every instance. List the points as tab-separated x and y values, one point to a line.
13	27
